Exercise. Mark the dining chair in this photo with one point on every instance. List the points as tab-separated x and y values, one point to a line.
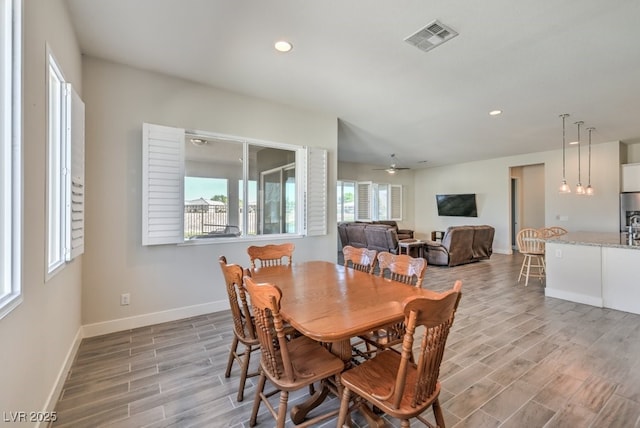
549	232
288	363
271	254
557	230
243	326
403	269
391	381
361	259
531	246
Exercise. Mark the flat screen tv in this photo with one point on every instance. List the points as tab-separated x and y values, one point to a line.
461	205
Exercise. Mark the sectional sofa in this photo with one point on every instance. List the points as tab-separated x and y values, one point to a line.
377	236
461	244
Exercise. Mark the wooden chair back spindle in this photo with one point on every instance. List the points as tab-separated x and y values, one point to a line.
361	259
402	268
265	301
242	321
271	254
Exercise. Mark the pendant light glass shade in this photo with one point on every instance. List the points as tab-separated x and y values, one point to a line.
589	190
579	188
564	187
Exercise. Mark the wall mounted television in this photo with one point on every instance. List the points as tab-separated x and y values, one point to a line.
460	205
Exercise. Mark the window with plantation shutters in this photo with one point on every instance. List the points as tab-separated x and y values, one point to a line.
75	219
364	201
395	202
65	169
316	200
162	184
195	189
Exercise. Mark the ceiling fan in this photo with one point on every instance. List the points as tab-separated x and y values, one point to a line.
393	167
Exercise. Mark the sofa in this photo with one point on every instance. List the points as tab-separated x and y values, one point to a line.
460	245
402	233
374	236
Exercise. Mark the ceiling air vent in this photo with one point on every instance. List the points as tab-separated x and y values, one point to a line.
434	34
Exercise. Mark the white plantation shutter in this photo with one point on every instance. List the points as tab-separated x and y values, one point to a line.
316	192
395	202
364	200
75	218
162	184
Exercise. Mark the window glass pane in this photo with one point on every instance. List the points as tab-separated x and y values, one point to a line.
290	199
56	190
206	206
252	212
382	201
212	206
216	209
349	200
275	171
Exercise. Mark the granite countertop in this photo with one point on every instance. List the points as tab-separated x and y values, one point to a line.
596	239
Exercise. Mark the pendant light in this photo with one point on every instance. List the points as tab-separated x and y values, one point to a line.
579	187
589	190
564	187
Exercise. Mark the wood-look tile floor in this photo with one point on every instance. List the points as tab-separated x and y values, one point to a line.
514	359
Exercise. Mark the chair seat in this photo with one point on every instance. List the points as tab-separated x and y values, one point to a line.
386	337
311	361
375	379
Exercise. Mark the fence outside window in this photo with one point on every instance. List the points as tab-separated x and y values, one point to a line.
208	221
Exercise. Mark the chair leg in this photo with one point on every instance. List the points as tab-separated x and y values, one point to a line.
245	369
437	413
405	423
232	353
258	399
282	408
524	263
344	406
526	281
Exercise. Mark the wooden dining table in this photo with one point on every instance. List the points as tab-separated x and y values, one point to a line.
331	303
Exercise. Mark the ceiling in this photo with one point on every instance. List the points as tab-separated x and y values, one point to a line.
533	59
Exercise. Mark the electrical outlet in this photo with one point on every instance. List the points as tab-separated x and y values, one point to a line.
558	253
124	299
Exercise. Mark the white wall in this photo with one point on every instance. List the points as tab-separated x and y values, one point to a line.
39	335
490	180
169	281
533	212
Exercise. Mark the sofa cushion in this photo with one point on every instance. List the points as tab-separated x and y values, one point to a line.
483	242
356	236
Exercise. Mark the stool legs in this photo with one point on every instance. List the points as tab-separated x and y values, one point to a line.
532	261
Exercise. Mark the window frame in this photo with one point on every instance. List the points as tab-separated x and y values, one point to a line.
65	170
10	156
57	173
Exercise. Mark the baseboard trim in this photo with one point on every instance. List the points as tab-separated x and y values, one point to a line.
112	326
574	297
52	400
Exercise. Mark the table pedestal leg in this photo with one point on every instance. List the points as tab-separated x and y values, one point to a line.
299	411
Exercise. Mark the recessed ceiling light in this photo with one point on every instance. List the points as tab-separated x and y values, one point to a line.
495	112
283	46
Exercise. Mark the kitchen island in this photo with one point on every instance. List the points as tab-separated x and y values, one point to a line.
594	268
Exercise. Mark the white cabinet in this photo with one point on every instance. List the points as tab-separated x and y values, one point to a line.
620	288
631	177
